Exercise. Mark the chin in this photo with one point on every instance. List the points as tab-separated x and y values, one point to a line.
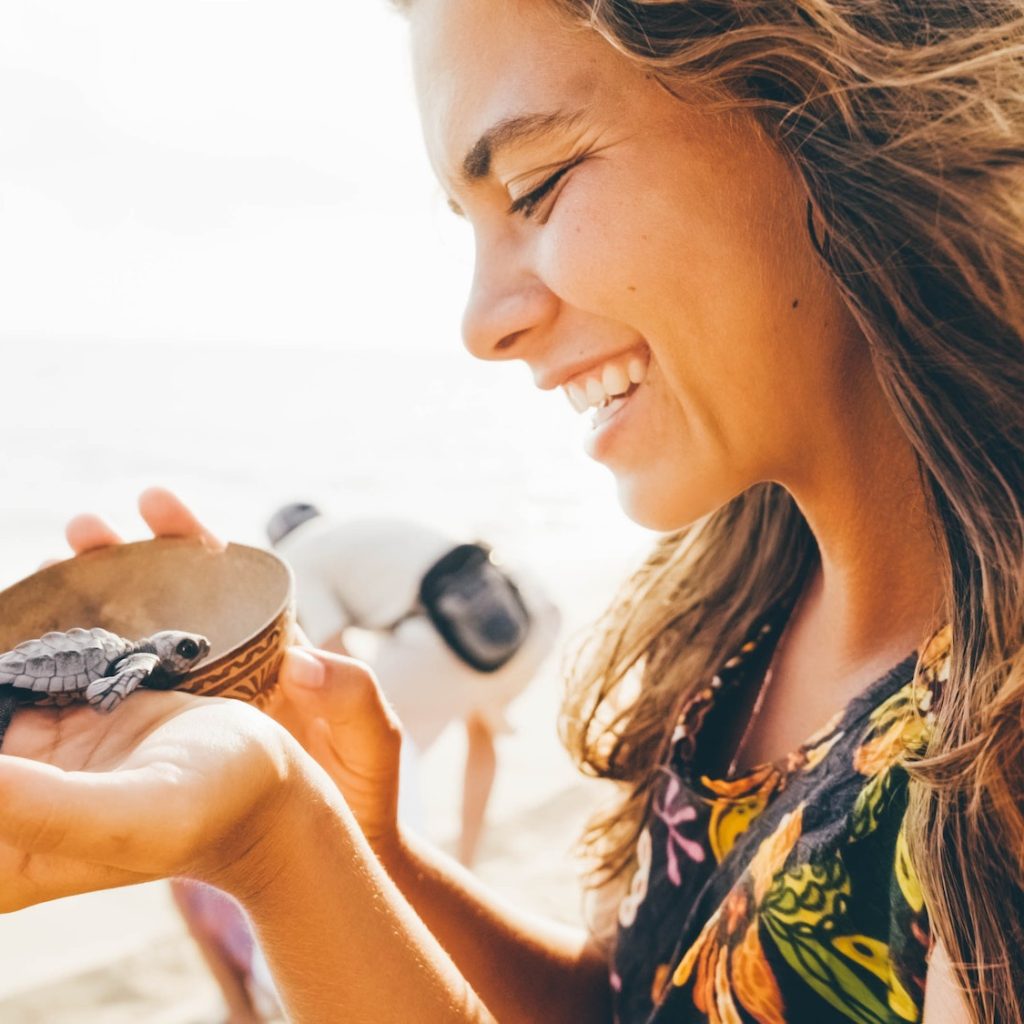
658	508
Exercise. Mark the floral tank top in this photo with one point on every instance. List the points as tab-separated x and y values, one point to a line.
783	895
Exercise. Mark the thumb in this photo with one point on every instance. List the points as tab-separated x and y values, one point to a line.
345	694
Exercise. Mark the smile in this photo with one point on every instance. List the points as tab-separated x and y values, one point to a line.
600	386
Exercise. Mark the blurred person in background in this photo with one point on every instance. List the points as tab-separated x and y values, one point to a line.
222	932
456	639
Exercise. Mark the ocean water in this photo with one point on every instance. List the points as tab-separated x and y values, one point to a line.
238	430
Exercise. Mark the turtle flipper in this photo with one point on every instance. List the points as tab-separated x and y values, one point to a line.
8	702
105	693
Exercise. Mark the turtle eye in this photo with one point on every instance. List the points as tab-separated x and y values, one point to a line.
187	649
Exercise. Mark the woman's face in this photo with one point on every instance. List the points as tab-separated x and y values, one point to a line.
648	257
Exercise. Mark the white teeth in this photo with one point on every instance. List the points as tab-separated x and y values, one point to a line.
615	380
577	397
606	411
595	392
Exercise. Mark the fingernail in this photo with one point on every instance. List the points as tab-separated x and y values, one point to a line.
303	669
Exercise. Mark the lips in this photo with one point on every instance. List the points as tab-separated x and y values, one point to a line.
606	411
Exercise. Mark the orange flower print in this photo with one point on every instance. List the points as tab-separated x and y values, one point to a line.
726	963
901	725
753	981
739	802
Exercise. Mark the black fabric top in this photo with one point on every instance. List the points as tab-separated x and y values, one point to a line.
783	894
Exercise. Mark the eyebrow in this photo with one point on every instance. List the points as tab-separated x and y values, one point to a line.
512	131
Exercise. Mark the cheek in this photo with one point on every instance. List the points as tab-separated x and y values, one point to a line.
659	262
716	274
633	265
593	253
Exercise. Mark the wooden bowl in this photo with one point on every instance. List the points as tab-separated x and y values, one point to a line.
240	599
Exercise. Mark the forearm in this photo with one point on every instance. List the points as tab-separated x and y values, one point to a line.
341	941
525	969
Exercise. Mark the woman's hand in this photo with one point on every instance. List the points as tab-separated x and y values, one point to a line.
334	707
168	784
331	704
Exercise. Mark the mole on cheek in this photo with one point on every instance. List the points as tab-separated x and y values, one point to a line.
630	287
796	302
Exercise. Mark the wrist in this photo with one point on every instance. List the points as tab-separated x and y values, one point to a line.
298	807
394	850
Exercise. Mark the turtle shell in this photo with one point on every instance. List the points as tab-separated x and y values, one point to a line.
65	663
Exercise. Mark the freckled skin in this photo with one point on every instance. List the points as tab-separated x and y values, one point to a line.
682	229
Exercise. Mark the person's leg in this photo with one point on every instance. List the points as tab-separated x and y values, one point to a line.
411	811
221	931
478	782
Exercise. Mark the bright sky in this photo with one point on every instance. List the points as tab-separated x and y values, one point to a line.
217	170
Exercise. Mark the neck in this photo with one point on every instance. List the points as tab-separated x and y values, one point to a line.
878	590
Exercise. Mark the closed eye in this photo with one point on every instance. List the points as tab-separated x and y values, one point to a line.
526	205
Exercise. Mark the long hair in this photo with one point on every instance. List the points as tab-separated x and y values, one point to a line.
905	121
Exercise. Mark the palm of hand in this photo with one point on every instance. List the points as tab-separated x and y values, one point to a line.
173	784
149	791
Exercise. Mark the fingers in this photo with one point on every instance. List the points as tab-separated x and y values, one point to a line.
32	879
163	512
88	532
302	670
341	689
167	516
101	817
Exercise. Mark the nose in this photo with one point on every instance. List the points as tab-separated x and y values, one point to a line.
507	304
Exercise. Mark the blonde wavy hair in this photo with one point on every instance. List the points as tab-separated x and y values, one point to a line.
905	121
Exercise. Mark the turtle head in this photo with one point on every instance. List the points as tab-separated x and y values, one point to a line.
177	651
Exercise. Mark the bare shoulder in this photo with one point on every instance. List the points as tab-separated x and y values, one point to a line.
944	1002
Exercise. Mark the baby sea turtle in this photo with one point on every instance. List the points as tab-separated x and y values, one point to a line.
94	665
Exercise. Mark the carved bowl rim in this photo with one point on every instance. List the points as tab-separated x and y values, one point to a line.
263	642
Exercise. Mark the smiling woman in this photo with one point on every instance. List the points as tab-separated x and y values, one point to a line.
802	225
569	182
778	248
